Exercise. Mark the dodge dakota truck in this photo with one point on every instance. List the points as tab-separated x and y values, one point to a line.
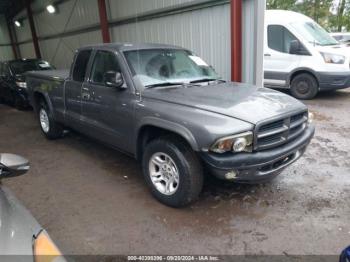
169	109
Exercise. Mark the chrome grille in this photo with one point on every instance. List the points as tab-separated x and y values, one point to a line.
279	131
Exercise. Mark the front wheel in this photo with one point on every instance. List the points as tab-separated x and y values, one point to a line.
304	86
173	171
50	128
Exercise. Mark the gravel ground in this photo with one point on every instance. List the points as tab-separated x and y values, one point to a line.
92	200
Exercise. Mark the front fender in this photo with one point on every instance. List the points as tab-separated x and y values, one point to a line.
171	126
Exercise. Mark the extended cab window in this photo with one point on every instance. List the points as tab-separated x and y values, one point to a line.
80	66
279	38
104	61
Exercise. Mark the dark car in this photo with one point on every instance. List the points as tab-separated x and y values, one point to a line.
13	88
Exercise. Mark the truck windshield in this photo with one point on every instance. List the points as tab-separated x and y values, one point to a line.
159	67
21	66
314	33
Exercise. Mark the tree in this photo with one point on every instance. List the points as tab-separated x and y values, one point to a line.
332	14
281	4
340	15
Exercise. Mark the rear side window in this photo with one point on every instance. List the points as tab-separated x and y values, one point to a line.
279	38
80	66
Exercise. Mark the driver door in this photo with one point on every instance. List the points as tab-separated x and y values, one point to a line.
278	62
107	111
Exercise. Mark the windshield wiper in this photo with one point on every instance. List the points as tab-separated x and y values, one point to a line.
206	80
165	84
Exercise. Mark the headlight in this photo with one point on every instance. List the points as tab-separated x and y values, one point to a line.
45	249
333	59
21	84
236	143
310	117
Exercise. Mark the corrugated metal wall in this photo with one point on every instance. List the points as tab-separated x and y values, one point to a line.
205	30
126	8
71	15
253	39
5	49
59	51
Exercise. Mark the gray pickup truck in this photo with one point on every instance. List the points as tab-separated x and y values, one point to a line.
169	109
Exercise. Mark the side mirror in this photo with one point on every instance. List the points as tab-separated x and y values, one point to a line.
297	48
114	79
12	165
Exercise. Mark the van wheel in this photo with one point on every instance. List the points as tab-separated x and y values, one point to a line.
50	128
173	171
304	86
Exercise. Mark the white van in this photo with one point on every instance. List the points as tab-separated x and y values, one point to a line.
301	55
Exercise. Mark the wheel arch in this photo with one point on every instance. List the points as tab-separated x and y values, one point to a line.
40	96
303	70
153	128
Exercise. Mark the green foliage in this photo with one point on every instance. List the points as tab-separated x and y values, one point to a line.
334	15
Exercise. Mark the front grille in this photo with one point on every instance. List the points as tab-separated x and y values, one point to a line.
276	132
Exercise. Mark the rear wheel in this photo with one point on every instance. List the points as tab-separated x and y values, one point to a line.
304	86
173	171
50	128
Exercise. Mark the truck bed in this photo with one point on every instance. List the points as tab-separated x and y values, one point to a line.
59	75
49	82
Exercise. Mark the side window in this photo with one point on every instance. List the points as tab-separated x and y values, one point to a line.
80	66
104	61
279	38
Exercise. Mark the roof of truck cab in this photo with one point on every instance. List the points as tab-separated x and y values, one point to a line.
130	46
284	17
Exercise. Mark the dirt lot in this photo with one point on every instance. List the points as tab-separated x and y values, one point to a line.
93	200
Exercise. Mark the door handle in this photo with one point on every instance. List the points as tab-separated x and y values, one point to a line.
267	54
85	89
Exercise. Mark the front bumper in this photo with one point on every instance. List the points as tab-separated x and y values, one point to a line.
260	166
333	81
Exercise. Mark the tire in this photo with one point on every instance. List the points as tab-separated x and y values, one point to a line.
50	128
304	86
189	171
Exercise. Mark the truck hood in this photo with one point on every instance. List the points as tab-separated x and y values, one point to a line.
241	101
